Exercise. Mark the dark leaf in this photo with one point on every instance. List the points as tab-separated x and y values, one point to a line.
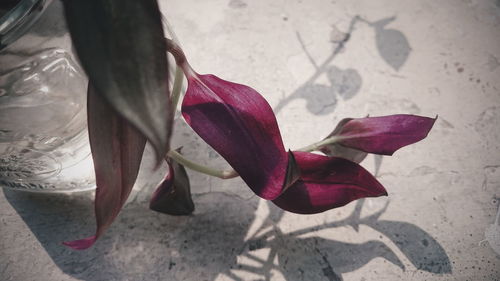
327	183
384	134
117	149
173	195
122	48
240	125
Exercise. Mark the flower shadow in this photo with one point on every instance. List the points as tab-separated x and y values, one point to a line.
144	245
306	257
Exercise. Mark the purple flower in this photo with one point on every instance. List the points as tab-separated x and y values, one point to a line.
240	125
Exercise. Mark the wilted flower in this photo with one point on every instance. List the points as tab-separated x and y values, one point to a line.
239	124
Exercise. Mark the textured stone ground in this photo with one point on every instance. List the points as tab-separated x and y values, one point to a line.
315	61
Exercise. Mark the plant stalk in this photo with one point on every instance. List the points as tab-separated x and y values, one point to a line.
177	88
200	168
228	174
318	145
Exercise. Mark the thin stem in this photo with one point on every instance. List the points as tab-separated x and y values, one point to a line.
177	88
200	168
228	174
180	58
318	145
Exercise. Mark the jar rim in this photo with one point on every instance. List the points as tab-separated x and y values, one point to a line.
18	19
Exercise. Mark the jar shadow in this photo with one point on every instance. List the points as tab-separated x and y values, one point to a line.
141	244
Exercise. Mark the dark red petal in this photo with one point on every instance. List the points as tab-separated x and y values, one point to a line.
327	183
240	125
173	195
385	134
117	150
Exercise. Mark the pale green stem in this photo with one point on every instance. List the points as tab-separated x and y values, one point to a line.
200	168
318	145
177	88
227	174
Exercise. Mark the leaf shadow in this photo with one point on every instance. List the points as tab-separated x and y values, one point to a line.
419	247
392	44
423	251
315	258
322	99
342	83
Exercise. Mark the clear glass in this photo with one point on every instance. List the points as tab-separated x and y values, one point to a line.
43	128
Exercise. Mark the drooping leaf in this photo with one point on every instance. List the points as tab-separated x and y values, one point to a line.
339	150
384	134
240	125
327	183
173	195
117	149
121	47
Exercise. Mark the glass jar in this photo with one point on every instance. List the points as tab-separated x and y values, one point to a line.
43	128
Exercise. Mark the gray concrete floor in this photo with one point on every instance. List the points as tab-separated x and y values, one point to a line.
438	222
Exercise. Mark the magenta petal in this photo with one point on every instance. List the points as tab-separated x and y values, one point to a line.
240	125
385	134
117	150
327	183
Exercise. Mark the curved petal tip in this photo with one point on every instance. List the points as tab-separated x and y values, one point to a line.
81	244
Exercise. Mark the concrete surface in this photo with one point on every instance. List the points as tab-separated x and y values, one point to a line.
316	62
